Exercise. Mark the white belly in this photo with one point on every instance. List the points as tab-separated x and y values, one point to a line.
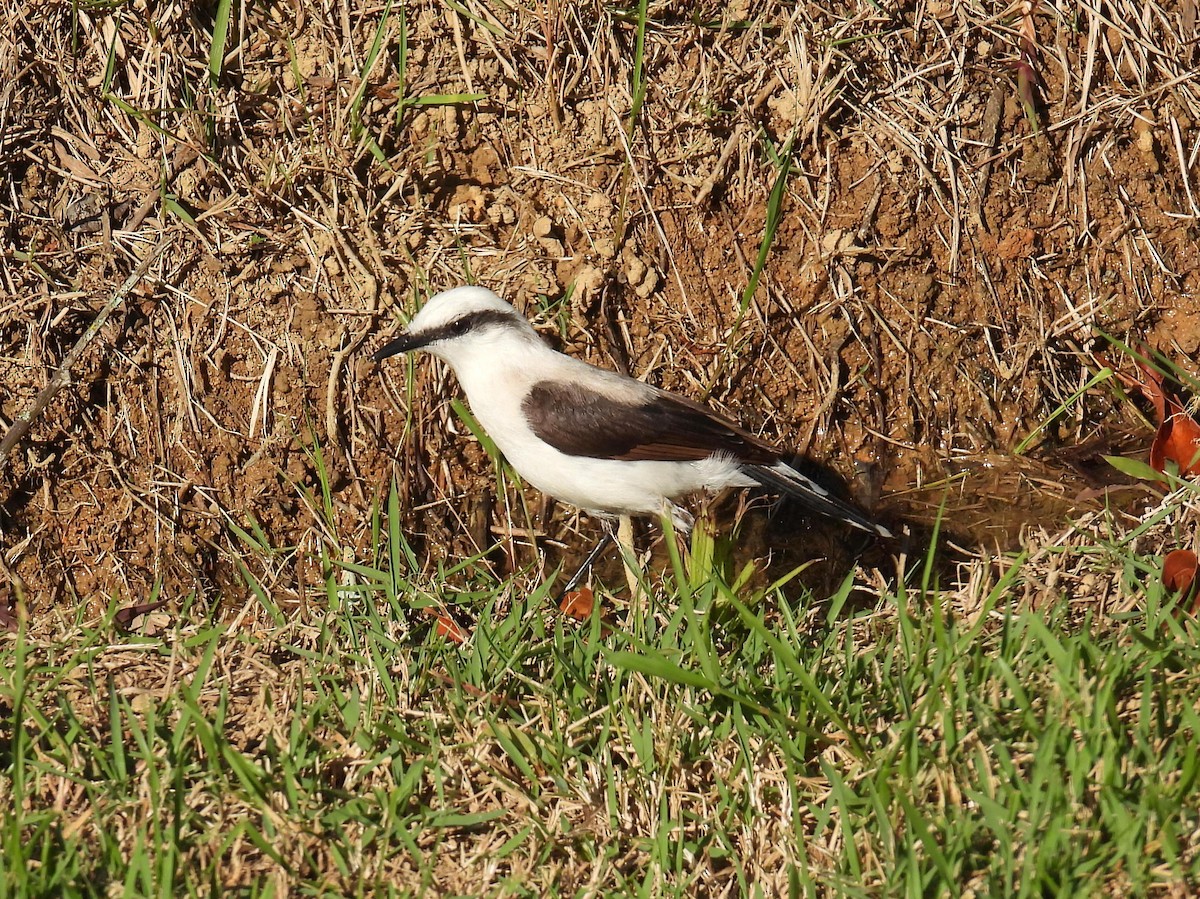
604	486
614	487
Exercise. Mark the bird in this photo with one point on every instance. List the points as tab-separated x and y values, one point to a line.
595	439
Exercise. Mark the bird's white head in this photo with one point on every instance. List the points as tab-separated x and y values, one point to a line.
459	324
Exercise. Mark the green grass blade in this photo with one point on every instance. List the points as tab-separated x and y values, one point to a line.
220	36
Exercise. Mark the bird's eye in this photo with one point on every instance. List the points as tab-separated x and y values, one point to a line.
459	327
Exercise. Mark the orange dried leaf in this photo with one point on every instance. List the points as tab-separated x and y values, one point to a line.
10	617
1179	569
578	604
1178	441
125	618
1178	437
1179	575
1152	388
449	628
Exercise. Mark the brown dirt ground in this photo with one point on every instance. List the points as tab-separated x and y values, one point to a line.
932	293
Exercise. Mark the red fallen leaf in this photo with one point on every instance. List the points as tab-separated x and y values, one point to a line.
1178	441
1027	79
1153	388
1178	437
472	690
449	628
578	604
125	617
1179	574
1179	569
10	619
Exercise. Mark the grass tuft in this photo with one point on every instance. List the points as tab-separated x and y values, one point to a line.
928	739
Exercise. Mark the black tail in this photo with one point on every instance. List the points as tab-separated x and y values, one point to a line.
813	497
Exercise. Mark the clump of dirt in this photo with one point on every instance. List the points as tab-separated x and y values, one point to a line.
939	267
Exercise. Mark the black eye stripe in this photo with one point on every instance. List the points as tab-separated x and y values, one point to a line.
472	321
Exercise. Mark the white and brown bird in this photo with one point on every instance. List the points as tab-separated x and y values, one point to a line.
595	439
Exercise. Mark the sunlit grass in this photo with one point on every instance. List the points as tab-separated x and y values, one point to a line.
918	745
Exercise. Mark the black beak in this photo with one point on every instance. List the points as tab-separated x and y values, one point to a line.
402	344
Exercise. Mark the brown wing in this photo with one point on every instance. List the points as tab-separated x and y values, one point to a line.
664	428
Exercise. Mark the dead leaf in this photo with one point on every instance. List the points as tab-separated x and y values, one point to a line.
1178	441
1178	437
1153	389
449	628
125	618
578	604
1179	575
1179	569
472	690
10	617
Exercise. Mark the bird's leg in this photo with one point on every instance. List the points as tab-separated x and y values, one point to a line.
586	567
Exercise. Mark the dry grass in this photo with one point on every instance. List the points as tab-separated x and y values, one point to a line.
950	240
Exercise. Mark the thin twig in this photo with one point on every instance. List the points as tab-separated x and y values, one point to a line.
23	422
